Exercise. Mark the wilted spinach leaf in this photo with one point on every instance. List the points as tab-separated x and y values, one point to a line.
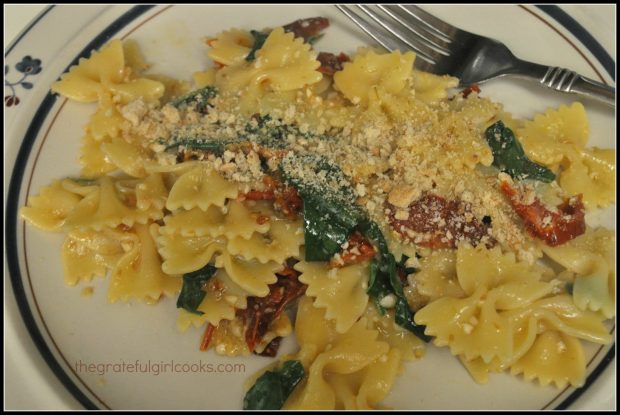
509	157
259	41
192	292
273	388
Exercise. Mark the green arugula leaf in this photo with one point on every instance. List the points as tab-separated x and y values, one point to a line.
330	211
259	41
273	388
324	234
200	97
192	292
331	214
84	182
509	157
215	147
384	281
264	131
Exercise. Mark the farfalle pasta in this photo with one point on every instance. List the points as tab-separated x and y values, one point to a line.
340	291
590	258
351	374
372	204
497	325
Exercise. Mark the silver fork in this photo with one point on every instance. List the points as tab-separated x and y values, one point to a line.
444	49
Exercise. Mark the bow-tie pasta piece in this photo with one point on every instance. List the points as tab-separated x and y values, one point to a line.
183	254
242	223
237	223
365	389
471	326
92	253
436	276
200	187
50	209
138	274
350	352
592	173
408	344
151	193
146	89
105	207
514	283
592	258
340	291
250	275
474	326
128	157
230	47
560	313
86	81
286	63
283	65
92	158
432	88
282	241
195	222
389	72
107	121
103	72
556	134
554	357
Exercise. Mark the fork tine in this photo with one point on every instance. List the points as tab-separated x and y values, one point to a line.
433	41
423	49
431	23
384	40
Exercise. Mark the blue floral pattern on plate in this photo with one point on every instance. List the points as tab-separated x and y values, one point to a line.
27	67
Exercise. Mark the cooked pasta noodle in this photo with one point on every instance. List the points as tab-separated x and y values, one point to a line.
371	192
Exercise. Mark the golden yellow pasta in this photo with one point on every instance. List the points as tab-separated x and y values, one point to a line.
381	208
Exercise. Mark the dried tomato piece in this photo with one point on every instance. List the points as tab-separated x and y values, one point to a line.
358	249
206	338
307	28
554	228
262	311
286	199
259	195
267	194
472	88
444	222
331	63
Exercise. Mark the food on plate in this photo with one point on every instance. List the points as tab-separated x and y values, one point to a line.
370	208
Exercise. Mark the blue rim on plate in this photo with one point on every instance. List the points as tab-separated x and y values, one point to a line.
12	217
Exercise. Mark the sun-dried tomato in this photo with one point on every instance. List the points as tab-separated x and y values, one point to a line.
442	223
472	88
307	28
206	338
555	228
288	201
285	198
262	311
259	195
358	249
331	63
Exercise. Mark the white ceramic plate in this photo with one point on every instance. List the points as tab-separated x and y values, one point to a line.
42	135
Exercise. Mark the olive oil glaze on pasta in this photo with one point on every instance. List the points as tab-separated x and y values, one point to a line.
365	201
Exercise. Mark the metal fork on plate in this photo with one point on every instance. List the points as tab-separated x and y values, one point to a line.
444	49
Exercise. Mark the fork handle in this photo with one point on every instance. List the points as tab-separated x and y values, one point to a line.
565	80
